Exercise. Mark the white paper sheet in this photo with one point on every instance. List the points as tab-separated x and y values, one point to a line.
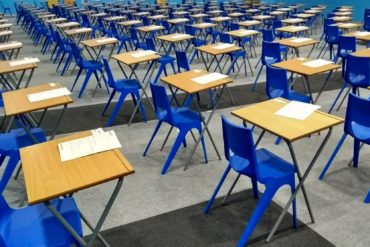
222	46
139	54
49	94
300	40
297	110
179	36
317	63
98	142
105	40
26	60
10	45
204	79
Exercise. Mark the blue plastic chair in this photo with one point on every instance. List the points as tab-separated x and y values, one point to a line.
123	39
260	165
331	38
367	198
90	66
270	55
182	118
86	23
346	46
167	27
357	125
136	41
164	60
125	87
357	76
5	9
36	226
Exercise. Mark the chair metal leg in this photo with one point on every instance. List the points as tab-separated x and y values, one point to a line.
152	137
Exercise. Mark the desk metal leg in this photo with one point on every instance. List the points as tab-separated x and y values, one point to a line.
308	87
53	133
96	230
322	87
300	184
205	128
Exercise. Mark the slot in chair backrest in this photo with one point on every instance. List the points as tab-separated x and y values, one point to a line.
161	102
357	71
357	116
276	82
239	141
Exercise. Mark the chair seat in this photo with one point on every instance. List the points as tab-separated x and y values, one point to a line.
272	166
91	64
199	42
166	59
127	84
181	116
36	226
361	132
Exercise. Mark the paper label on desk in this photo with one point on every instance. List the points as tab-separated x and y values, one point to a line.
222	46
105	40
180	36
143	53
49	94
317	63
362	33
11	44
96	143
300	40
297	110
24	61
204	79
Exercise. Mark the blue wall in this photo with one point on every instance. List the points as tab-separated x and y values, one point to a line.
358	5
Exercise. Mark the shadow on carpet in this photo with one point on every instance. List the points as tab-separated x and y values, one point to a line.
222	227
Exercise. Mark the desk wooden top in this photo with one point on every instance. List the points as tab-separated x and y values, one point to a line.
343	13
236	14
305	16
10	45
5	66
277	13
57	20
262	17
67	25
16	102
296	65
178	20
290	42
46	177
6	33
158	17
129	23
183	81
292	29
99	42
175	37
347	25
362	53
312	11
128	59
263	115
142	13
114	18
150	28
250	23
213	51
292	21
341	18
241	33
221	18
199	15
102	14
76	31
204	25
365	36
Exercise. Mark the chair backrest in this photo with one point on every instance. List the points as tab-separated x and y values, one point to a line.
347	44
277	84
182	61
76	52
111	80
277	24
133	34
367	23
145	21
332	34
238	141
85	20
357	116
160	100
190	30
113	28
234	26
357	71
150	44
101	24
225	38
166	25
270	52
268	35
